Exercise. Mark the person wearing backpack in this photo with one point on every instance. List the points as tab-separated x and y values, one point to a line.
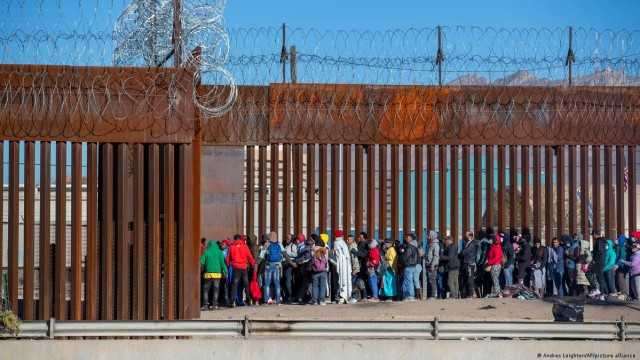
409	258
319	276
272	255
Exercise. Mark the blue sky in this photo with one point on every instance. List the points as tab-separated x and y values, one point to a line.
375	14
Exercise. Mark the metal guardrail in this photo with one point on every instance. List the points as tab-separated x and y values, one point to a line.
247	328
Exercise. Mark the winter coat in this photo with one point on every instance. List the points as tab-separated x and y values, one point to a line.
622	249
609	256
390	258
572	251
240	256
558	256
599	253
433	254
470	252
212	260
355	262
494	255
634	264
450	258
373	259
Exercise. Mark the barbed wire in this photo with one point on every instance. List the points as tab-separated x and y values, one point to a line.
139	33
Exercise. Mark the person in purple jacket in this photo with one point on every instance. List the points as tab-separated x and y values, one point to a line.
634	271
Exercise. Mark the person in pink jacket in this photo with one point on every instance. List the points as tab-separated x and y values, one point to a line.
494	265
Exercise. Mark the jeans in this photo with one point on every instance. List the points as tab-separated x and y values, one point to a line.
208	284
609	278
508	275
634	283
271	275
416	277
558	285
239	276
408	291
469	278
319	286
452	283
495	279
373	284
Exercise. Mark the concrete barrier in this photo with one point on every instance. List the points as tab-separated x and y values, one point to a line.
306	349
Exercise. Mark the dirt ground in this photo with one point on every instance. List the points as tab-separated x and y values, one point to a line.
467	309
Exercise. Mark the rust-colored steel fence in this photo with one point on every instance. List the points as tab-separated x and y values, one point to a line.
130	251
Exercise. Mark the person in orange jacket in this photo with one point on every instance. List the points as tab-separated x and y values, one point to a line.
239	258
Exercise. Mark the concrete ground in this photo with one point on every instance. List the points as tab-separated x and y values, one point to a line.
465	309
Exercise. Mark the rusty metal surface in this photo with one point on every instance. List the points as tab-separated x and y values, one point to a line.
548	207
298	178
168	232
262	189
525	194
442	195
286	189
513	186
382	190
490	186
311	188
537	191
431	187
358	188
608	193
418	191
45	274
596	194
371	188
60	302
274	185
76	231
406	189
346	187
139	285
28	232
322	180
105	187
466	199
188	274
395	177
92	264
335	187
2	265
123	267
14	216
250	189
454	216
502	206
573	187
620	208
88	104
477	187
560	190
154	310
584	191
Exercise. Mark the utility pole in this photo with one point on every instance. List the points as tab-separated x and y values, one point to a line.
177	32
439	56
293	65
283	54
570	57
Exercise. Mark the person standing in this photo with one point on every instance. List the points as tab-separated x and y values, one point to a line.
358	287
214	269
539	267
452	266
469	257
409	257
610	258
523	259
432	262
557	266
272	255
290	253
389	270
239	259
342	257
494	265
319	275
509	256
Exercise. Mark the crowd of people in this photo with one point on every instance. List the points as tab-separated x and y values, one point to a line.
314	270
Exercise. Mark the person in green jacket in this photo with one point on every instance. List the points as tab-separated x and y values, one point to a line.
213	264
610	258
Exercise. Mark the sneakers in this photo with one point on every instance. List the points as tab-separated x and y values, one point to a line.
270	302
323	303
204	308
353	301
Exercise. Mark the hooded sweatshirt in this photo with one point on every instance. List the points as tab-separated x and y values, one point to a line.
494	255
240	256
450	257
634	263
212	260
622	249
609	256
433	253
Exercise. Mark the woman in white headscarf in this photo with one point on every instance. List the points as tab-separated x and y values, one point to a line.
343	267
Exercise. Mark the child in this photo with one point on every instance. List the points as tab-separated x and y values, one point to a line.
319	276
582	267
634	272
373	262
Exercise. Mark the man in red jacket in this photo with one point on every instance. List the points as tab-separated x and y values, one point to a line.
239	259
494	263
